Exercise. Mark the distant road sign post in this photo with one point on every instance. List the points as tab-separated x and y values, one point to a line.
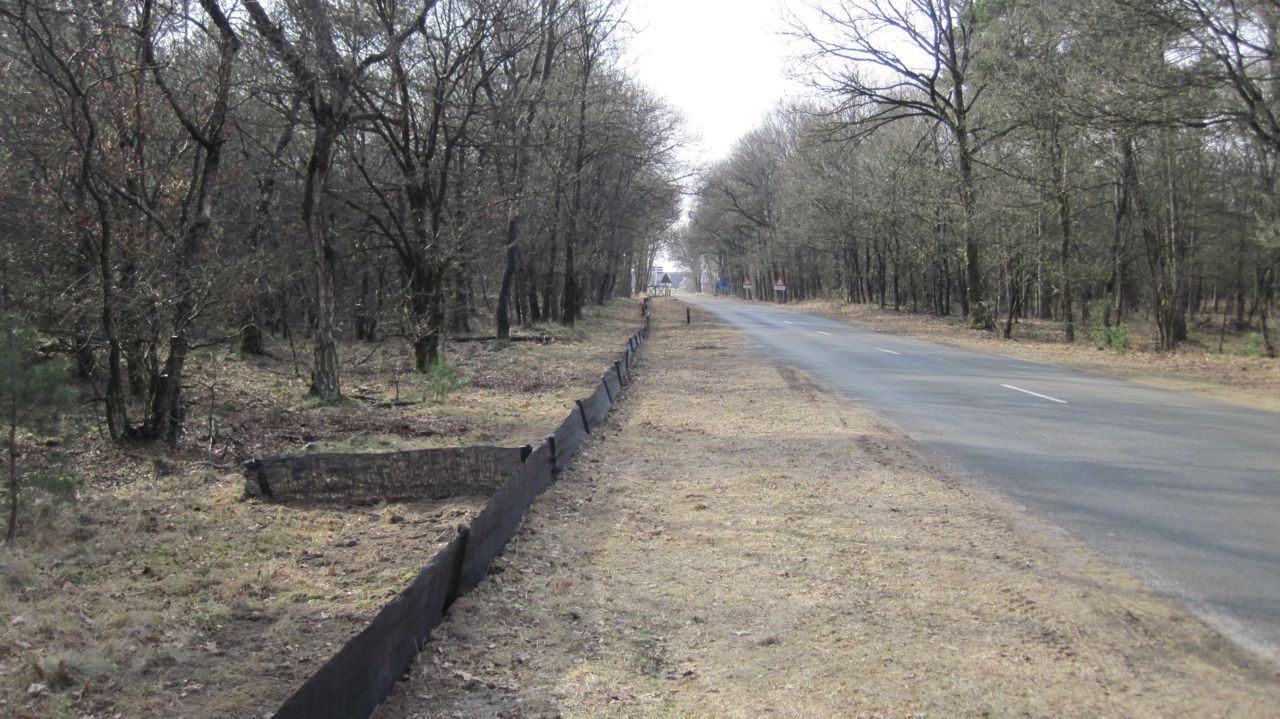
780	287
747	287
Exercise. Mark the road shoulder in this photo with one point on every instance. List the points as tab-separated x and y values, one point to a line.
738	543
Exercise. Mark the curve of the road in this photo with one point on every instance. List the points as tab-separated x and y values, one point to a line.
1181	489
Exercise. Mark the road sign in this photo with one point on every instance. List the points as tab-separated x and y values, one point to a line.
746	285
779	285
722	285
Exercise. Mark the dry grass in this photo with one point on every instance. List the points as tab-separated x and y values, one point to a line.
1230	376
737	544
159	592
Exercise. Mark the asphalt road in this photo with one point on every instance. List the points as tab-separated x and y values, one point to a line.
1180	489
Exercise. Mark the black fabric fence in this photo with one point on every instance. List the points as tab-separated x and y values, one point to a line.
359	677
368	477
595	407
567	438
611	384
356	679
497	523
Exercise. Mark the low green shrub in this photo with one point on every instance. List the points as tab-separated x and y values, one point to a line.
442	380
1254	346
1119	339
1114	337
58	481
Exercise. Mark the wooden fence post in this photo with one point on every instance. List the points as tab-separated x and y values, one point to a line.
582	412
455	581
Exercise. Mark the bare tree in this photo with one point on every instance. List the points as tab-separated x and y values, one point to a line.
514	106
422	116
327	81
51	42
886	61
165	418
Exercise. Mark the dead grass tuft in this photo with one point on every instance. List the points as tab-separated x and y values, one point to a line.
17	573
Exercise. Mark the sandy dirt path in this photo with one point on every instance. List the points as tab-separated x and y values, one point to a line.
737	544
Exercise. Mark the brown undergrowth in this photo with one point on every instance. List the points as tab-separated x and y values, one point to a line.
1231	375
160	592
736	543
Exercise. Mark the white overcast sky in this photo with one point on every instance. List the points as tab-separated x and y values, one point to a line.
721	63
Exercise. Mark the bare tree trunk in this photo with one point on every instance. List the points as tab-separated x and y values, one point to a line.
428	304
325	382
116	409
460	309
1011	287
571	309
979	317
1063	197
166	417
1266	294
13	475
502	315
251	322
1124	188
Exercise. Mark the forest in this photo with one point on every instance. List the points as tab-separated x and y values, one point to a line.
182	175
1009	159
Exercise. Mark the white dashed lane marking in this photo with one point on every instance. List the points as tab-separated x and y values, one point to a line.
1034	394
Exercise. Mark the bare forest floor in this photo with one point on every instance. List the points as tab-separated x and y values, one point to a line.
159	592
737	543
1197	366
